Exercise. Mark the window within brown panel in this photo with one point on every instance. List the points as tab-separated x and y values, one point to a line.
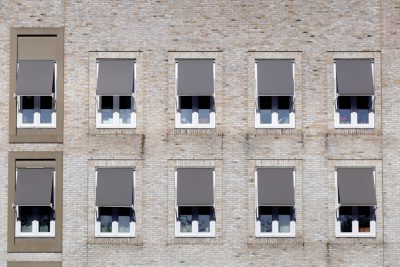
36	118
19	160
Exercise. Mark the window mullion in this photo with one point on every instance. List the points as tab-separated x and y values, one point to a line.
36	111
116	110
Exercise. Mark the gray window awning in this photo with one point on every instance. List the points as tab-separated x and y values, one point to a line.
35	78
195	77
115	77
356	187
195	187
114	187
275	187
275	77
34	187
354	77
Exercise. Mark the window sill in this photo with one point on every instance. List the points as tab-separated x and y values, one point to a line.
355	131
194	131
275	241
114	131
195	240
278	131
355	241
115	241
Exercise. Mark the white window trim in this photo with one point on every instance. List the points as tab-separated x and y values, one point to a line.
195	226
195	115
116	113
115	232
275	224
353	124
36	109
274	116
355	232
35	224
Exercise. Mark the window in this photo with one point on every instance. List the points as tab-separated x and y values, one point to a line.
275	221
34	203
116	93
35	221
115	222
36	80
36	95
195	221
195	93
356	202
195	216
115	216
275	93
354	92
275	208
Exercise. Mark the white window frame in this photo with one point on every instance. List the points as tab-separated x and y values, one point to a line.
114	232
275	224
195	115
354	124
36	109
35	224
274	109
355	226
195	225
116	112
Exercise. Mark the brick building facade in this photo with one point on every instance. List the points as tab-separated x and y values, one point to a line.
234	34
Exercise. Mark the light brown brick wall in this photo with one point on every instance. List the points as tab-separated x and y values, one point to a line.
233	32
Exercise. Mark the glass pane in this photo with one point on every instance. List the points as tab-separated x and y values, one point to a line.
107	102
44	218
265	109
105	220
26	217
186	102
204	102
363	109
45	115
125	116
364	219
283	109
46	102
344	116
27	106
204	116
344	109
185	217
124	220
28	102
125	102
265	217
362	116
107	109
283	116
186	116
204	218
27	116
284	219
346	219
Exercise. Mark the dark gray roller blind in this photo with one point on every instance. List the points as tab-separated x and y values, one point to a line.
34	187
356	187
275	77
354	77
114	187
195	77
35	78
115	77
195	187
275	187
